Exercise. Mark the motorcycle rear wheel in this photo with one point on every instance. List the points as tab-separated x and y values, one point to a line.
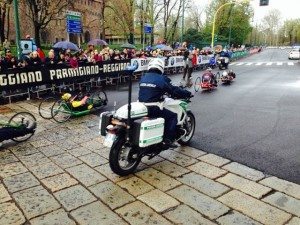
189	125
123	159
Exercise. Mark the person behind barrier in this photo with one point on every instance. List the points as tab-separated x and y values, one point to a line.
50	60
209	73
34	59
61	59
153	85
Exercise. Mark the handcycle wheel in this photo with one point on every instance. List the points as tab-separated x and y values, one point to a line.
45	107
99	98
60	111
218	77
23	120
197	84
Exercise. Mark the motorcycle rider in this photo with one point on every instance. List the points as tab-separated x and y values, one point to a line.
211	75
153	85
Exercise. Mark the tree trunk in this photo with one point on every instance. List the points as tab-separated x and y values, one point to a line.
37	35
142	22
174	28
8	25
142	31
131	38
2	23
102	27
152	36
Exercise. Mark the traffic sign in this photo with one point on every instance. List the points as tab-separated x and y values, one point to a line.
148	29
74	24
264	2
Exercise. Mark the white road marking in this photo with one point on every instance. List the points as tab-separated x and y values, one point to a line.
261	63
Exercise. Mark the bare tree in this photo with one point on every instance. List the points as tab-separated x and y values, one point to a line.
271	23
42	12
4	18
193	20
122	13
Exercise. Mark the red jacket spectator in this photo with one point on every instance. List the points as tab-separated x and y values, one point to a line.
98	58
194	59
74	62
41	54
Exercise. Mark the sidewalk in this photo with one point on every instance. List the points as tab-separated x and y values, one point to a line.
61	176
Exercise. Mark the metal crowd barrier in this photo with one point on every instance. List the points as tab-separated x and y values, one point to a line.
113	80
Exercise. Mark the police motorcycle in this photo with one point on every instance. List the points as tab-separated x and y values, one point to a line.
223	60
131	135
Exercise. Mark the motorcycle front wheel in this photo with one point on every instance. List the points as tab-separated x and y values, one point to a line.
123	158
189	125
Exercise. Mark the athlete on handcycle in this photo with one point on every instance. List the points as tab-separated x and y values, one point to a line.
208	73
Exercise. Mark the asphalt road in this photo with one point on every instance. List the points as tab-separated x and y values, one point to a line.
254	121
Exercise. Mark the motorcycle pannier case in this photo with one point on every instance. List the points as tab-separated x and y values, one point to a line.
148	132
105	120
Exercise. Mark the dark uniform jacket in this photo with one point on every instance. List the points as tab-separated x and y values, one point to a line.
153	86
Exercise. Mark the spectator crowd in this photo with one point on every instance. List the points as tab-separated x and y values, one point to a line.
90	55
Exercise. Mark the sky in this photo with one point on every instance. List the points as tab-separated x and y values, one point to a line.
289	8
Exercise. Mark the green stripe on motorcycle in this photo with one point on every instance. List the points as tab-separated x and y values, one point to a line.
151	140
152	127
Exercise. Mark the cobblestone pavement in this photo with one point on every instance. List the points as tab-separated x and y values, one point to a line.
61	176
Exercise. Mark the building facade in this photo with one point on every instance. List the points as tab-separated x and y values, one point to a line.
57	29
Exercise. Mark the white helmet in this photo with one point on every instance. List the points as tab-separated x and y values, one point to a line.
157	63
225	73
209	69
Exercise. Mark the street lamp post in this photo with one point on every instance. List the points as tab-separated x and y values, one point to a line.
17	27
230	28
182	21
214	22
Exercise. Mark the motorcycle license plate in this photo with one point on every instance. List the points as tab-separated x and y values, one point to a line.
109	140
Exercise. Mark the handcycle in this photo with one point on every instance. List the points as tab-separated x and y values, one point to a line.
20	127
205	82
66	107
47	103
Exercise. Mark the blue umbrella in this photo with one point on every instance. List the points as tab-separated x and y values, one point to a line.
166	48
160	46
66	45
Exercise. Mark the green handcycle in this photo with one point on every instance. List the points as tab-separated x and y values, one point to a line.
68	106
18	128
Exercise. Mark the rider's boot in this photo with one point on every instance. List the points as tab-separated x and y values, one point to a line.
170	144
